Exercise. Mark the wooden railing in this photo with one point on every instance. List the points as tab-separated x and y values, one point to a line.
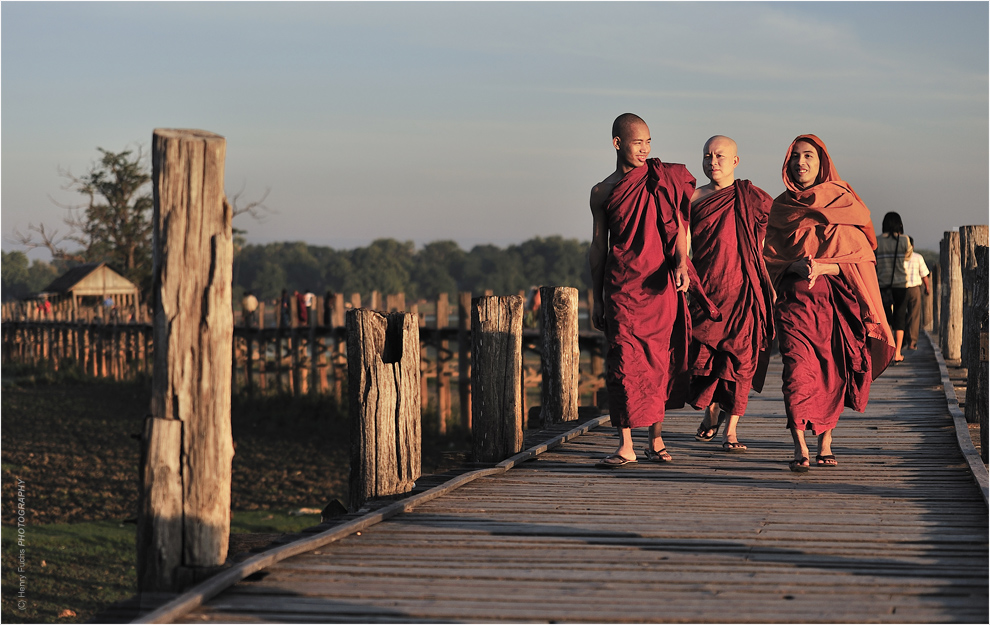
271	358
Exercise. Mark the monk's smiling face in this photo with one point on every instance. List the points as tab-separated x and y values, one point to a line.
720	160
633	146
804	164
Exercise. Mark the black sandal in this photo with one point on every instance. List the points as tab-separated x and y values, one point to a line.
701	434
661	456
798	466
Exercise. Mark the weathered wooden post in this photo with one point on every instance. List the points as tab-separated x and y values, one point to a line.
936	284
950	325
184	515
975	337
443	364
970	237
337	320
383	389
464	356
496	386
561	355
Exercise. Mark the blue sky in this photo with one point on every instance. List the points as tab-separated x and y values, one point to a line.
490	122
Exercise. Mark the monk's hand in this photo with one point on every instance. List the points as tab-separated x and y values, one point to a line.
810	268
598	315
681	279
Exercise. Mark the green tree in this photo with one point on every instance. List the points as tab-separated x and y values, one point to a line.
383	266
435	268
114	225
21	278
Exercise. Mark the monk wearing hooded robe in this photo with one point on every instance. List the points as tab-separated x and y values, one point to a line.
834	337
728	356
640	271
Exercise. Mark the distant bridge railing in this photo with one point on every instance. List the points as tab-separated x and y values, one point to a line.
279	354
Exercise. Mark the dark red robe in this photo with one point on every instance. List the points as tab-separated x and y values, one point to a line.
642	305
729	356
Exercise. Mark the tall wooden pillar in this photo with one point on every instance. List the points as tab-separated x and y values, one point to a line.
384	403
561	354
464	356
950	325
496	339
184	514
970	237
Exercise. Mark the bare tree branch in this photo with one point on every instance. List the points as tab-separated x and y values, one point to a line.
256	209
52	241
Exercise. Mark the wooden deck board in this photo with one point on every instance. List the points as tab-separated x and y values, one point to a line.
896	533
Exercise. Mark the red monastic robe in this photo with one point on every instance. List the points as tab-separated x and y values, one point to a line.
646	322
834	338
729	356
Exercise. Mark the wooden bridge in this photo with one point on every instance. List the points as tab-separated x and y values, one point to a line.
896	533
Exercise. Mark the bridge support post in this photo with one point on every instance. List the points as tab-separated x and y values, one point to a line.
975	338
384	403
464	356
496	386
970	237
950	324
187	447
561	355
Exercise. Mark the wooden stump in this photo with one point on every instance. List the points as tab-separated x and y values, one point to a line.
384	394
496	357
950	324
443	364
464	356
193	326
970	237
936	285
976	339
561	355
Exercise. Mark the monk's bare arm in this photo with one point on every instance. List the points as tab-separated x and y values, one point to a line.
598	253
810	268
681	279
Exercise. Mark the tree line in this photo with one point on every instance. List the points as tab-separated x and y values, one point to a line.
113	225
391	266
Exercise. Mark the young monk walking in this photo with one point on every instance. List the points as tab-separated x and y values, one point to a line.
639	271
834	337
729	356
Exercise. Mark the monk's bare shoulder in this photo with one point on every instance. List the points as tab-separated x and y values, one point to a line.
702	192
601	191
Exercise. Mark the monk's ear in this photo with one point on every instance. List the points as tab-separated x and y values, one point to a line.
615	142
736	161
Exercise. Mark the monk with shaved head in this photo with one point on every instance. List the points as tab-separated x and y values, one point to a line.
640	271
729	356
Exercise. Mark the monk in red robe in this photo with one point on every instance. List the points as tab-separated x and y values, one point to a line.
639	271
729	356
834	337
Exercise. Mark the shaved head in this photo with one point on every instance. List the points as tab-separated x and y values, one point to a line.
622	124
728	144
719	161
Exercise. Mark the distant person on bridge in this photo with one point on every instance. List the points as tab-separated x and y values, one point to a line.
639	271
834	337
729	356
894	249
916	272
249	306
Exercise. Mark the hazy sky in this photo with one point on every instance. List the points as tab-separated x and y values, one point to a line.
490	122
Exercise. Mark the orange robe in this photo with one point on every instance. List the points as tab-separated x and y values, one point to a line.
834	338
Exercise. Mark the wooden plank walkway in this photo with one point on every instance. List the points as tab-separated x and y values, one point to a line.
896	533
